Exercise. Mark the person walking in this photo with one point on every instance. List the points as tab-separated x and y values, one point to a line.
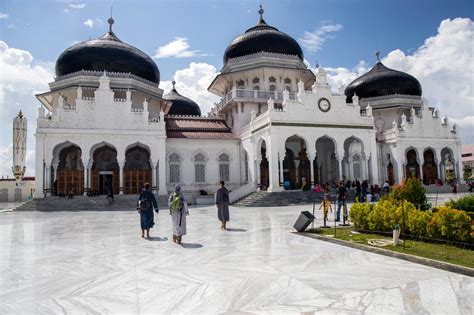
341	202
71	193
222	202
178	212
326	205
146	204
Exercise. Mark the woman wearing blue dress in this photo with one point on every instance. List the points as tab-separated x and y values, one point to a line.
146	204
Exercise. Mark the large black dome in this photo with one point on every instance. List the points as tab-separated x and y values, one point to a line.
181	105
107	53
381	81
263	37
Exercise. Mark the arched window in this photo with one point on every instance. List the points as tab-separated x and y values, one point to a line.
241	84
272	80
287	81
174	163
224	167
256	84
287	84
199	168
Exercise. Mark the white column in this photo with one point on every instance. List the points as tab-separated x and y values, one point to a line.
363	168
311	157
47	181
153	177
257	171
89	174
86	177
421	169
121	166
339	167
281	169
351	168
39	167
272	156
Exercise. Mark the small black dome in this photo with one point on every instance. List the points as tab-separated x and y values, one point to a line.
381	81
181	105
107	53
263	37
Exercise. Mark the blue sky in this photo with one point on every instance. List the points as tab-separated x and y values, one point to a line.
46	28
430	39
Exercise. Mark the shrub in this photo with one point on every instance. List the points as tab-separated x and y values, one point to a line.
417	222
359	214
465	203
412	191
450	224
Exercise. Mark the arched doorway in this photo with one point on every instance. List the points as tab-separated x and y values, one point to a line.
448	165
70	171
105	170
295	163
264	176
137	170
326	161
353	164
430	170
412	168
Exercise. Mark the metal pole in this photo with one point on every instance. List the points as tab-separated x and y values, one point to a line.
314	203
403	223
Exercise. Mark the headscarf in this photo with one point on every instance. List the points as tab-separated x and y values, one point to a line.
177	188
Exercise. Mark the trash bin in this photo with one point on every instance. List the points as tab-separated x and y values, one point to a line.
304	220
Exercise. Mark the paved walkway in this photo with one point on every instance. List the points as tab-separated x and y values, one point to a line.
95	262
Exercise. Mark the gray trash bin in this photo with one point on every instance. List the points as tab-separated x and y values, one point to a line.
304	220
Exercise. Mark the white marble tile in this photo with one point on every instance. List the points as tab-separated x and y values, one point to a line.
96	263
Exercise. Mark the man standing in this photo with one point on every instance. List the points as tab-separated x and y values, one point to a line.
341	201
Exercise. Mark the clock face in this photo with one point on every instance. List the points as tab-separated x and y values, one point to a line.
324	104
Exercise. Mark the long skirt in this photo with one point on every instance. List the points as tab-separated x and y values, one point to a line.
175	219
146	219
223	211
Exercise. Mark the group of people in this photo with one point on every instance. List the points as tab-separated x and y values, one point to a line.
178	209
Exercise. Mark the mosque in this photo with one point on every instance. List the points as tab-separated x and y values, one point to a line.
106	124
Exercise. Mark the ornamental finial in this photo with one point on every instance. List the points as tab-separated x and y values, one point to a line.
260	11
377	54
173	82
110	20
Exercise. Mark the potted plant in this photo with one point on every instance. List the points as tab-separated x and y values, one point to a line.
396	234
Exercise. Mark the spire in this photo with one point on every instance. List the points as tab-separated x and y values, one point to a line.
377	55
260	12
174	83
110	20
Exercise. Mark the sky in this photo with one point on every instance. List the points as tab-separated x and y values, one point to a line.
430	39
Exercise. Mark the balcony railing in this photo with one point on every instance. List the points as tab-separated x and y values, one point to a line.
252	96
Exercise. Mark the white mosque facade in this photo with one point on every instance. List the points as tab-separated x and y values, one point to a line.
106	124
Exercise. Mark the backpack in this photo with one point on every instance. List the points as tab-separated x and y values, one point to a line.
176	203
144	204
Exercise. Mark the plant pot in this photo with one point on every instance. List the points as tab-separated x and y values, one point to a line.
396	237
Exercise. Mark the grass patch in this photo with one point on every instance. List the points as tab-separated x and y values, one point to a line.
440	252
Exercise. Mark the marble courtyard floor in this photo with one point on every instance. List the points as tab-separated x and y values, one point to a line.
95	262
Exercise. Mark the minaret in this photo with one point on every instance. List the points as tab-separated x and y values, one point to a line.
19	146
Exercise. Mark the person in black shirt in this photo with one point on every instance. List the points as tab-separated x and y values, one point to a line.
341	201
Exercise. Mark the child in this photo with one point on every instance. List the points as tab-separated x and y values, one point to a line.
326	204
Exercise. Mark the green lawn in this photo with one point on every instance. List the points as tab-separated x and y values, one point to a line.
445	253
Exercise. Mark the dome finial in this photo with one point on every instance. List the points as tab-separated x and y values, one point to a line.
260	11
174	83
110	20
377	54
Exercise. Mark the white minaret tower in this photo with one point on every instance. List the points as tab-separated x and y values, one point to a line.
19	146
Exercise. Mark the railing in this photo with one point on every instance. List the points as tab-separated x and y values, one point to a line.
242	191
120	100
136	110
253	95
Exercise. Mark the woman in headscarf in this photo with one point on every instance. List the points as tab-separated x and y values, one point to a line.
146	204
178	212
222	203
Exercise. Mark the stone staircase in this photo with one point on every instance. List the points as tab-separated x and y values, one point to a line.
275	199
83	203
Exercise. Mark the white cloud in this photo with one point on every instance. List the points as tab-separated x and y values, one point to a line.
20	79
178	48
193	82
89	23
444	66
77	6
313	41
3	16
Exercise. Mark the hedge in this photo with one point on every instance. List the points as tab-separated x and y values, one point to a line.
442	223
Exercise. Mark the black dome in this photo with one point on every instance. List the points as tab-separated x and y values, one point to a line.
181	105
107	53
263	37
381	81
